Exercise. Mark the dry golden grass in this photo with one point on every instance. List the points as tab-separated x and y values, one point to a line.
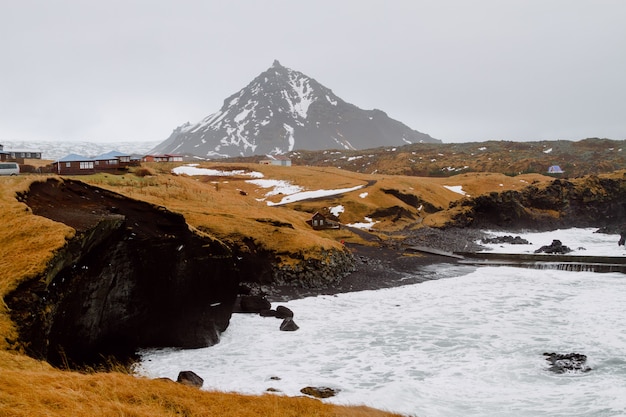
28	244
36	390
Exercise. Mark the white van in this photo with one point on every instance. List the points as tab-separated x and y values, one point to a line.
9	168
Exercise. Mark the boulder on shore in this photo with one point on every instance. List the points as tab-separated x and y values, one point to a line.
190	378
319	392
283	312
253	304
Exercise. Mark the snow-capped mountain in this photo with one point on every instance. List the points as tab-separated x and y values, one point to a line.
283	110
54	150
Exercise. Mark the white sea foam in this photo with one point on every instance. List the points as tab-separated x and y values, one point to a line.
468	345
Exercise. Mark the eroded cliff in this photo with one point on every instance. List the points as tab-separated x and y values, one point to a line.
134	275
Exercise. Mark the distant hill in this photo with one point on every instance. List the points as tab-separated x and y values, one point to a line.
283	110
575	158
54	150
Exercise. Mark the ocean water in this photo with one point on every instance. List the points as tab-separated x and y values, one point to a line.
467	345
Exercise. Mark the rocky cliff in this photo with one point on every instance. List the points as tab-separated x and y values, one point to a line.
590	201
135	275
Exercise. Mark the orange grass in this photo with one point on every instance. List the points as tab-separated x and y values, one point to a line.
28	244
49	392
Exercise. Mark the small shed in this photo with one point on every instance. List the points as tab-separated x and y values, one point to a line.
555	169
318	222
280	160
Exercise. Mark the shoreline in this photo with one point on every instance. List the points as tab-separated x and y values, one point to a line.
388	265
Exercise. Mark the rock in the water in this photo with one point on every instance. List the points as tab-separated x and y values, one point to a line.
190	378
567	362
283	312
288	325
254	304
506	239
319	392
555	247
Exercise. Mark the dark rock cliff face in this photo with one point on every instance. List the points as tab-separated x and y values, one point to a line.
134	276
585	202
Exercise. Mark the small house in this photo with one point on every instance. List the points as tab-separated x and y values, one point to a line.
555	169
280	160
111	161
74	164
17	156
162	158
318	222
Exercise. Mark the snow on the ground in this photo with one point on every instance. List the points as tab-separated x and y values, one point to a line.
277	187
367	224
192	169
291	191
337	210
306	195
456	188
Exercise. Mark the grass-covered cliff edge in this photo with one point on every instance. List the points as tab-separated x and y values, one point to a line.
232	215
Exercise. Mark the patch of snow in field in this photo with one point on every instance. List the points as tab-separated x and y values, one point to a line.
363	195
277	186
306	195
192	169
367	224
337	210
456	189
548	150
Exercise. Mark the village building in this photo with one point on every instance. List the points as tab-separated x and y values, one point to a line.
113	160
162	158
280	160
74	164
319	222
18	156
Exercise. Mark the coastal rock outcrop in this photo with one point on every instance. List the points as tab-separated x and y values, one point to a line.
582	202
135	275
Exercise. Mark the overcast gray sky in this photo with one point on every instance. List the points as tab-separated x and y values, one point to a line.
458	70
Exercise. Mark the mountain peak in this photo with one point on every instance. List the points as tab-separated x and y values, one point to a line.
282	110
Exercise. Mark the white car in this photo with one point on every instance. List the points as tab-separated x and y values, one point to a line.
9	168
